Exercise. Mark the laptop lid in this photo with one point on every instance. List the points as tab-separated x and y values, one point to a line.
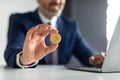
111	62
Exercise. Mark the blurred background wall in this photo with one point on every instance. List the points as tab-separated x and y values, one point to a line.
90	14
7	7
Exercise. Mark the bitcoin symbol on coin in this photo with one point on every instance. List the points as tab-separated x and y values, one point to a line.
55	38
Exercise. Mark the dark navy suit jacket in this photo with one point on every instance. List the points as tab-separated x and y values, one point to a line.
72	42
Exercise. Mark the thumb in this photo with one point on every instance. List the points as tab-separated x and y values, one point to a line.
92	59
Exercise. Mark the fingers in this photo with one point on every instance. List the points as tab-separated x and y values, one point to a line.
41	29
51	48
54	31
92	59
102	54
32	31
97	60
45	29
47	50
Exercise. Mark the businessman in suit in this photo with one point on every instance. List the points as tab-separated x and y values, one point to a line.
27	32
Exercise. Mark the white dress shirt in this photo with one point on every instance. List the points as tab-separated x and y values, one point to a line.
53	23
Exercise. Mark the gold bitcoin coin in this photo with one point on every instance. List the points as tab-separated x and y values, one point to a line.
55	38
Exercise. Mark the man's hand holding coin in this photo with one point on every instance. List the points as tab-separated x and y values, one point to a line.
34	47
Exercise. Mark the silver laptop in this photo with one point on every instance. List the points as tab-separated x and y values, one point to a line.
111	62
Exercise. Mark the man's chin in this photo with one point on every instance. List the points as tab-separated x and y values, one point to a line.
54	10
53	14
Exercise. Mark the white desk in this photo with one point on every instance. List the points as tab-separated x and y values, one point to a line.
53	73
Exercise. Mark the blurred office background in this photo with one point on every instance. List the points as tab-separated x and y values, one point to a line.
97	19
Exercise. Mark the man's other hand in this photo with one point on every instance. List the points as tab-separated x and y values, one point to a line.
34	48
97	60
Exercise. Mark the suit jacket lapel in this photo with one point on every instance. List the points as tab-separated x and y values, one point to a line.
36	18
61	27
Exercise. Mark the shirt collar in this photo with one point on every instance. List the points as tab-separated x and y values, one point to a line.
45	20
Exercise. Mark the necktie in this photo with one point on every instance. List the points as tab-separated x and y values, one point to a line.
49	57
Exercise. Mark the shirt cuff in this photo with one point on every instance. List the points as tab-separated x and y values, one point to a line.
20	65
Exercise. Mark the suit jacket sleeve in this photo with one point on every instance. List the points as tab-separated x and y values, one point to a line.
15	40
82	49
